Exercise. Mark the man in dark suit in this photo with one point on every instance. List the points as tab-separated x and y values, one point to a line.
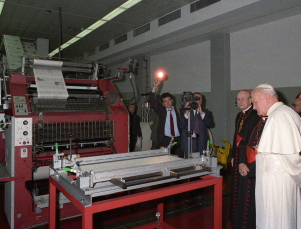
199	120
154	127
169	120
135	129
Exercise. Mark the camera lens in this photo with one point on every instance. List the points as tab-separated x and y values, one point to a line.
194	105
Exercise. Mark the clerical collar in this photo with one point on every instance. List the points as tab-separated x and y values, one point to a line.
244	111
264	117
274	107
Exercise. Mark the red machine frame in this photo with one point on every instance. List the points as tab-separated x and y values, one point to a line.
105	205
21	197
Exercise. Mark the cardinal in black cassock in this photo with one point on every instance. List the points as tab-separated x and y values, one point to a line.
246	211
238	182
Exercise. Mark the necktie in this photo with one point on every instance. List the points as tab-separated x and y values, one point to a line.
172	129
196	123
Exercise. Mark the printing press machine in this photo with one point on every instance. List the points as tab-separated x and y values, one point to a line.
75	131
47	104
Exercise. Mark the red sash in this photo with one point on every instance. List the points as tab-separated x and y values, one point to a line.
251	154
238	139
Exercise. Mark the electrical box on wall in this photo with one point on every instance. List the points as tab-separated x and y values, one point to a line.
24	153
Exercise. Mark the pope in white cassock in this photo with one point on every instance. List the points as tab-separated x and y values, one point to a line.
278	163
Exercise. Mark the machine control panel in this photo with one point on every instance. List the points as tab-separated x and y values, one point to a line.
20	105
24	152
23	133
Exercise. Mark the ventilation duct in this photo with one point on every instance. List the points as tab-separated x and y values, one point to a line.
169	17
141	30
120	39
201	4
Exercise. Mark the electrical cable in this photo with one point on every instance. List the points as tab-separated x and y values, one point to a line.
26	164
130	61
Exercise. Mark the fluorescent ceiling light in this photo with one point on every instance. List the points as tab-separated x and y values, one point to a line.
97	24
114	13
65	45
74	39
128	4
1	6
53	52
84	33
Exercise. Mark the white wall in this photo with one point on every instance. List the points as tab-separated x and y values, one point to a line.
188	69
269	53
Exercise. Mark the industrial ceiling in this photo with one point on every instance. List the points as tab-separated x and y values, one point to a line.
34	19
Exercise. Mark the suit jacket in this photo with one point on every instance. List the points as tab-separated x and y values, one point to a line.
161	111
154	126
135	128
201	141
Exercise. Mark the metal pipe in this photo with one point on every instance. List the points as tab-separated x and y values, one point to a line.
170	145
149	180
189	137
70	136
80	65
78	96
32	85
70	69
61	31
144	176
95	71
118	183
23	64
158	219
66	63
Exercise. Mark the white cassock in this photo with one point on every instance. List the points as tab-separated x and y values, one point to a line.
278	170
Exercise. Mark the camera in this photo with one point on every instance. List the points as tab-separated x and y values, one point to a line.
188	97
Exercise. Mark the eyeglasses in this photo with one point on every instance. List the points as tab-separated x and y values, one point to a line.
296	105
241	99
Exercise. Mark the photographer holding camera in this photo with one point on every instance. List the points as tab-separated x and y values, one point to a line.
199	120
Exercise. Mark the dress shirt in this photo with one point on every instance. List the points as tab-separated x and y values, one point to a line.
167	123
202	116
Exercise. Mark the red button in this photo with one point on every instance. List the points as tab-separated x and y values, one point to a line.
24	143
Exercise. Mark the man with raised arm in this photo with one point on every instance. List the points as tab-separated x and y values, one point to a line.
169	120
